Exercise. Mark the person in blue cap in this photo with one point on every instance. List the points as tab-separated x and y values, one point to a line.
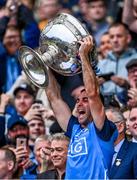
17	127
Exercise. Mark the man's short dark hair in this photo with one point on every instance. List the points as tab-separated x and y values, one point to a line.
12	28
9	155
131	64
104	1
117	24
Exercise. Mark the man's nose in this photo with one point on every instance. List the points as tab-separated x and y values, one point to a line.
21	99
36	127
19	132
135	72
114	39
80	103
54	153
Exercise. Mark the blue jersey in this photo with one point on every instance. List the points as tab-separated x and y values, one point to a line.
90	150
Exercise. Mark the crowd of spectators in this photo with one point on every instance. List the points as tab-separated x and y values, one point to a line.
36	139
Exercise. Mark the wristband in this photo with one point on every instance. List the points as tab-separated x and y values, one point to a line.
2	113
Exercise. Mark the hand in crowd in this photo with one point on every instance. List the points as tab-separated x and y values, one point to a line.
35	112
4	100
22	157
45	153
132	94
21	154
26	163
10	8
47	113
45	158
3	13
119	81
100	80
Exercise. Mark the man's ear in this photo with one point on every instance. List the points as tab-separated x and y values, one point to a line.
121	127
9	134
129	38
10	165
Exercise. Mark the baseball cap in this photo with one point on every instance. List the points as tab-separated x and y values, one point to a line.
24	87
16	119
131	63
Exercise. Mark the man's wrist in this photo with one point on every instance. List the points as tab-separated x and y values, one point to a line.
2	113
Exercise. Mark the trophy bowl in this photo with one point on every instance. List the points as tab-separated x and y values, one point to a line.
58	49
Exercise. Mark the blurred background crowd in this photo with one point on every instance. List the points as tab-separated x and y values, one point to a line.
25	112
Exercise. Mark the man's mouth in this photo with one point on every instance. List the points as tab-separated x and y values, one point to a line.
36	133
56	160
21	105
81	113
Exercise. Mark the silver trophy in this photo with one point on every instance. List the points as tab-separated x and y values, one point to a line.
58	49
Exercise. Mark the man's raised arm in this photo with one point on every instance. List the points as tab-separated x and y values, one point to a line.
61	110
128	16
90	82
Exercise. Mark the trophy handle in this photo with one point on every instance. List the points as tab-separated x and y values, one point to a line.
33	66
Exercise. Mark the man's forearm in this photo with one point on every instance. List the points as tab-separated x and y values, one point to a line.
61	111
60	108
91	84
128	17
89	77
92	89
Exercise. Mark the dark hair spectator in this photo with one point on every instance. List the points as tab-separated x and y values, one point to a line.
104	46
7	163
97	12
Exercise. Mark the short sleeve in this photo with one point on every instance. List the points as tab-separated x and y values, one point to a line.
73	120
107	131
